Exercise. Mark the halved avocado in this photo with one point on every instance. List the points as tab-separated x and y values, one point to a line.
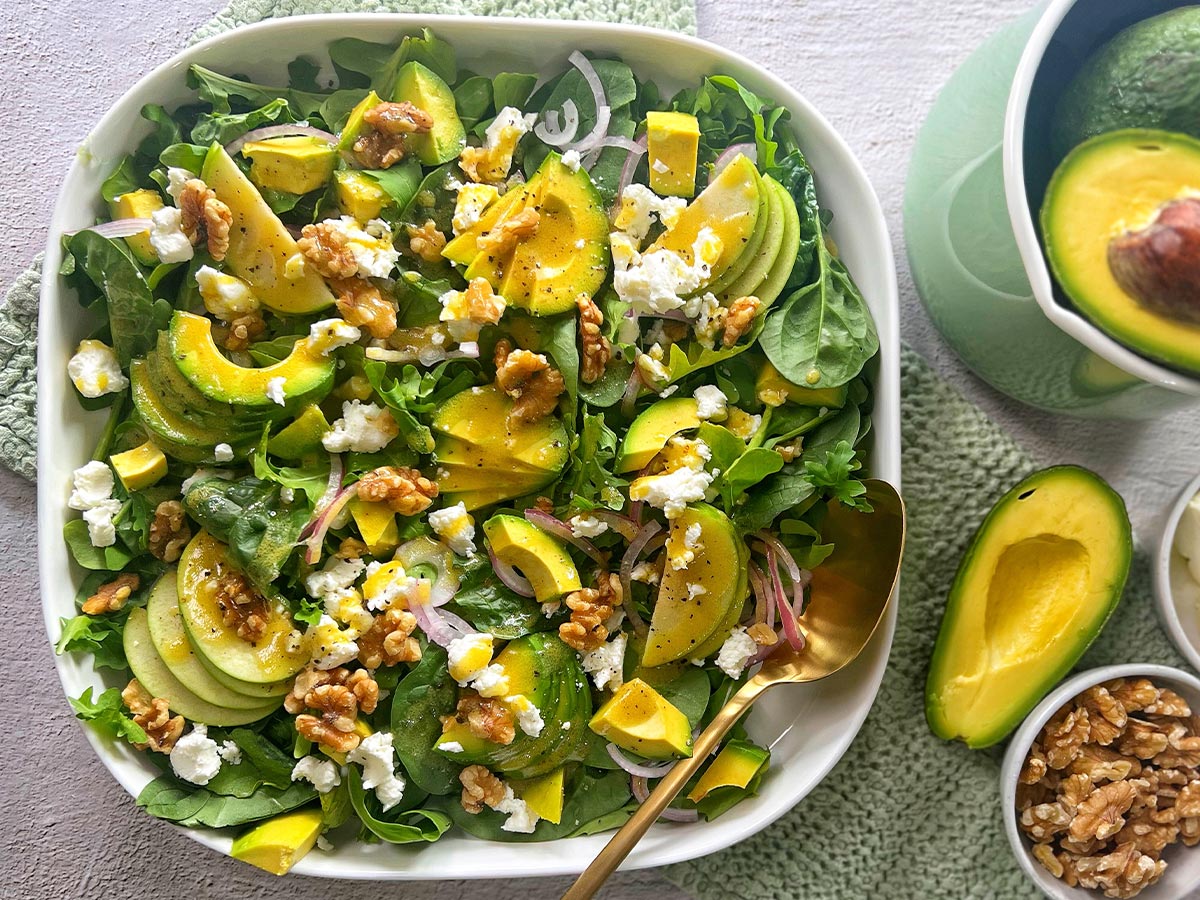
261	250
730	206
266	661
654	426
1121	226
538	556
149	669
697	606
306	373
1040	579
424	89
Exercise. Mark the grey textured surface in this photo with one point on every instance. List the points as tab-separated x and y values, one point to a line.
67	830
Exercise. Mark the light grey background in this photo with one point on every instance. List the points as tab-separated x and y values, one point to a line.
67	830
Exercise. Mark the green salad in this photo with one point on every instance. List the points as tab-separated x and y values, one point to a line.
468	443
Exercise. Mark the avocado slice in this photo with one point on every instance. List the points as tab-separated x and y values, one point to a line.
266	661
1121	227
640	719
261	250
672	144
697	606
735	767
176	436
474	429
1039	580
359	195
650	431
1145	77
155	676
295	164
139	204
539	557
544	794
302	436
424	89
307	374
139	467
279	843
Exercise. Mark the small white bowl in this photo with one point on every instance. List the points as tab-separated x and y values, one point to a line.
1182	876
1175	591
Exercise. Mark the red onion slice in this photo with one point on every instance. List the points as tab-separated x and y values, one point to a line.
316	540
548	129
563	531
274	131
794	637
603	112
762	601
641	791
439	626
750	151
639	545
632	388
511	578
627	170
119	228
658	770
332	486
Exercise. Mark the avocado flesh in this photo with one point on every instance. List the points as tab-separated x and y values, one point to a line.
139	467
1108	186
279	843
648	434
261	250
538	556
139	204
474	428
1038	582
1148	76
176	436
295	164
735	766
672	145
154	675
425	89
639	719
302	436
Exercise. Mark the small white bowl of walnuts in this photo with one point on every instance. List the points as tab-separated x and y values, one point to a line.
1101	786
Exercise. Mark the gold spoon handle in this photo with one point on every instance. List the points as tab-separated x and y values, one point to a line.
594	876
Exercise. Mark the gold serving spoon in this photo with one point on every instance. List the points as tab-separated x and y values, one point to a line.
848	597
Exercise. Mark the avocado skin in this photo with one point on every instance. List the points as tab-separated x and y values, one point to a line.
1148	76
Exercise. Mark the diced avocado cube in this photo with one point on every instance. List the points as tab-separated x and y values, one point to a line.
359	195
376	523
672	142
295	164
279	843
735	766
354	124
640	719
139	204
140	467
302	436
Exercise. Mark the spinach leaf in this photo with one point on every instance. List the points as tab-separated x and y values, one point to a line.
406	827
356	61
423	696
222	92
176	801
336	109
484	601
166	132
400	182
607	390
434	199
104	559
135	317
685	686
302	74
106	713
786	491
362	63
418	299
123	180
336	809
184	156
473	99
512	89
606	822
794	173
723	444
224	127
100	636
747	470
804	543
723	799
262	764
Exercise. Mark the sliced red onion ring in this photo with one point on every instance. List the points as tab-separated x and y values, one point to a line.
562	530
658	770
119	228
750	151
439	626
624	143
548	129
792	632
637	547
641	791
316	540
274	131
795	574
636	510
762	600
632	388
631	163
512	579
332	486
622	525
603	111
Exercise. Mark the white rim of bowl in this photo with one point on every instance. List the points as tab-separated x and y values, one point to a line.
1036	266
1164	597
1018	747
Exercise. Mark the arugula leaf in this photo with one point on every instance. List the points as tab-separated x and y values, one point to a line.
106	713
312	481
100	636
681	362
104	559
336	809
423	696
135	317
834	473
262	764
166	132
591	481
764	126
221	92
406	827
224	127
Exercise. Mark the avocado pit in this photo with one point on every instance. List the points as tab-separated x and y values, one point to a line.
1159	266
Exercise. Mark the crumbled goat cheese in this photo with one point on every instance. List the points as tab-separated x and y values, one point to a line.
195	756
521	819
176	179
95	371
491	682
230	752
225	296
529	717
324	844
167	239
223	453
286	494
551	607
457	313
375	754
371	247
639	206
605	663
587	526
660	167
335	580
651	365
330	646
743	424
472	200
451	747
736	652
696	590
646	573
93	486
571	160
709	318
456	528
330	334
509	117
322	774
681	553
710	402
274	390
673	491
101	530
363	428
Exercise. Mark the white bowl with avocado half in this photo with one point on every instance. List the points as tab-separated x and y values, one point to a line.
831	711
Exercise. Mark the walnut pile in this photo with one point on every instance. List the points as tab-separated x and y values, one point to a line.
328	249
241	332
112	596
485	717
363	305
529	379
169	531
480	788
336	695
162	729
1112	780
597	351
203	217
426	242
403	489
590	609
389	640
242	607
381	143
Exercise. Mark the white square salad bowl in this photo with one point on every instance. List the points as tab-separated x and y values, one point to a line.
807	727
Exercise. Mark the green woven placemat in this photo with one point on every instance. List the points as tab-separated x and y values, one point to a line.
903	816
